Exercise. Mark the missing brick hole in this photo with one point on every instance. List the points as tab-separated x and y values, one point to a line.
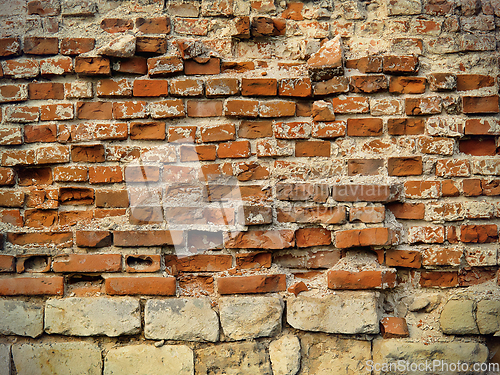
37	263
139	262
92	279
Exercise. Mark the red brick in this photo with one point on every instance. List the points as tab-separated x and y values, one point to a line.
423	106
277	239
132	65
171	108
52	155
366	193
76	46
449	189
13	93
429	279
75	217
147	238
162	66
400	64
30	286
41	46
364	237
195	153
364	127
338	279
111	198
480	104
405	126
142	263
334	85
7	176
70	173
476	275
87	65
88	153
328	130
114	88
327	61
146	173
478	147
17	113
205	108
313	215
322	111
405	166
368	64
365	167
12	158
403	258
299	286
252	284
217	87
87	263
7	263
442	81
236	149
266	26
76	195
237	67
147	87
479	233
148	130
295	87
129	110
10	46
452	168
40	218
393	327
78	90
292	130
142	285
191	26
369	214
182	134
442	256
94	110
23	68
212	66
302	192
157	25
199	263
253	260
308	237
407	85
350	105
467	82
312	148
422	189
186	87
241	107
150	44
259	87
116	25
105	175
369	84
46	90
277	108
59	239
426	234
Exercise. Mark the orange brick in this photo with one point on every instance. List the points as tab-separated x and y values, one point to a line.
251	284
30	286
87	263
142	285
296	87
205	108
259	87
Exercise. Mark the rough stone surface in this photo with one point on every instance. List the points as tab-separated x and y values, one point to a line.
21	318
190	319
88	316
69	358
250	317
385	351
5	367
488	316
123	46
457	318
148	359
245	358
285	355
343	312
324	355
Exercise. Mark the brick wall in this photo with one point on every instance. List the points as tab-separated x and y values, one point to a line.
251	187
